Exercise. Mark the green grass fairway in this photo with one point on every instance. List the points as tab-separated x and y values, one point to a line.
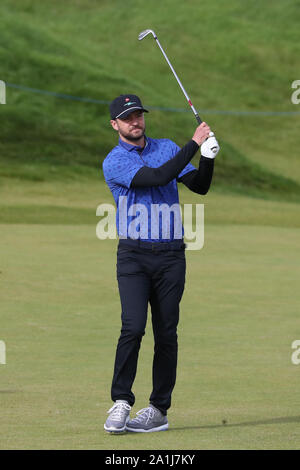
60	319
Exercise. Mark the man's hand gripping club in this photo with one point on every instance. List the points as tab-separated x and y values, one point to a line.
205	138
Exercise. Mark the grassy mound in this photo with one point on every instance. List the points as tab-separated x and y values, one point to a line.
228	57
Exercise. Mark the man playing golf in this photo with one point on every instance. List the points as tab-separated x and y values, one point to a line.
142	174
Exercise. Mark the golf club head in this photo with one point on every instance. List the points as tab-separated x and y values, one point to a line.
145	33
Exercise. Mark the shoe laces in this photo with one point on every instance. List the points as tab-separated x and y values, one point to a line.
118	410
145	414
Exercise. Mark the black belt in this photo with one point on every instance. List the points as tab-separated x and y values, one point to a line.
153	246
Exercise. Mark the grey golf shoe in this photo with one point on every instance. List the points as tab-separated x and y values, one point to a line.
118	417
148	420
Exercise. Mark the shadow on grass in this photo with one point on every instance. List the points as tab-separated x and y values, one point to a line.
282	420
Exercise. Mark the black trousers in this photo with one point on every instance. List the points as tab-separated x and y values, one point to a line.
155	277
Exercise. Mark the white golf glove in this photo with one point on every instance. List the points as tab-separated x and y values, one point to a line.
210	146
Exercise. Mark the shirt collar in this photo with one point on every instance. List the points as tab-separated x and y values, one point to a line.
131	147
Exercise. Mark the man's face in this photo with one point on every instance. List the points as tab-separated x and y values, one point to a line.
131	128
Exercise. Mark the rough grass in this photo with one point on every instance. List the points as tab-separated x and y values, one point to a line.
244	62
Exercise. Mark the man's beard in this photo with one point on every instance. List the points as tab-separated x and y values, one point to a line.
134	137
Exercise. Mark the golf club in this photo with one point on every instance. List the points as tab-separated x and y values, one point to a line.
145	33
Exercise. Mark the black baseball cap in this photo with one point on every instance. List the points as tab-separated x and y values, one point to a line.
123	105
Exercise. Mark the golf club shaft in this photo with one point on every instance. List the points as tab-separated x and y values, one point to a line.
179	82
